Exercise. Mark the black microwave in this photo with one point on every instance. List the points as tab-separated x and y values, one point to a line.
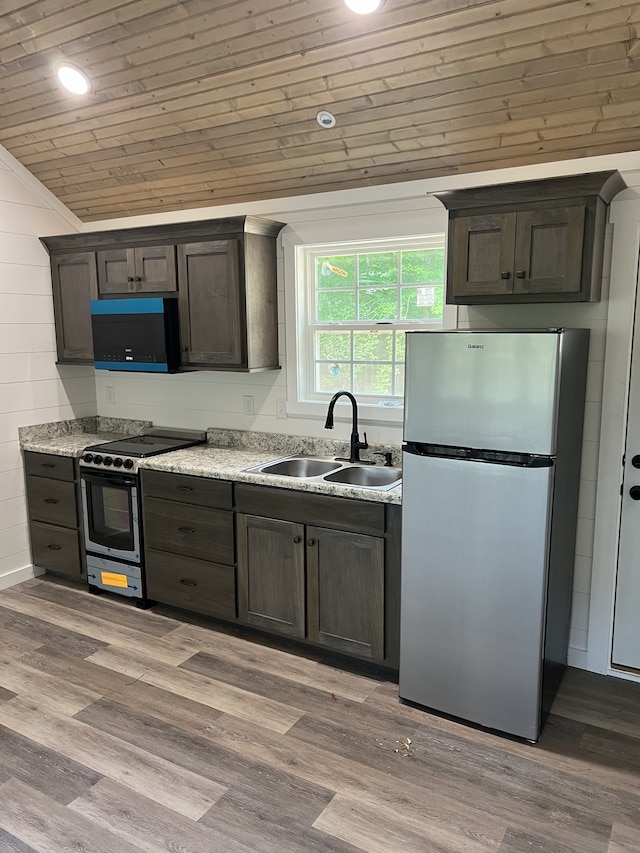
138	334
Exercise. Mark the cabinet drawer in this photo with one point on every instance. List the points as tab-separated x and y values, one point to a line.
56	548
52	501
196	585
49	465
306	508
192	490
195	531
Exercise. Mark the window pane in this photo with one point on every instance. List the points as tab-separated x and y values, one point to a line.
336	271
372	379
422	303
377	268
373	346
337	306
333	346
333	377
378	303
401	340
422	265
400	380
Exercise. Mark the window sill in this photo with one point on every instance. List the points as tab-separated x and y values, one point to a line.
367	414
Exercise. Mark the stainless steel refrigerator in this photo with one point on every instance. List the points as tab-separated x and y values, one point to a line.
491	466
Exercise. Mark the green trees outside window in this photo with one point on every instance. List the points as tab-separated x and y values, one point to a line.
362	304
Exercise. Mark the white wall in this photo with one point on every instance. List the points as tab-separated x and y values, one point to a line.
32	389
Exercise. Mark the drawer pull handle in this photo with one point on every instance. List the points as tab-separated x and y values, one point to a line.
184	488
54	547
48	464
187	582
186	530
50	501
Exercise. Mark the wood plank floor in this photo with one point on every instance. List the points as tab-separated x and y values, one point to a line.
126	730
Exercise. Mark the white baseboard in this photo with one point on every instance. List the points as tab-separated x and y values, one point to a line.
19	575
577	658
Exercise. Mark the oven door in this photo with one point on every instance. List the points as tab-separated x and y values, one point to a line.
110	513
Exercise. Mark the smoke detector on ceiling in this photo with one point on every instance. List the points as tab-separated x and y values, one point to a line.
326	119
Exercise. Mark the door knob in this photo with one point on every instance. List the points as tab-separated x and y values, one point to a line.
636	461
634	493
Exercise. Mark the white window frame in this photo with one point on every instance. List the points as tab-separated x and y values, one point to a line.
300	356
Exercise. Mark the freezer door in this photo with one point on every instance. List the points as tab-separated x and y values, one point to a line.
491	390
475	539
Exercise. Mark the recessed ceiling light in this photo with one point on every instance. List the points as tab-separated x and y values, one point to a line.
73	79
326	119
364	7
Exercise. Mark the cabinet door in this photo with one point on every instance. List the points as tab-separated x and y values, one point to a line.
481	255
155	269
74	286
345	591
549	246
212	330
271	574
116	271
151	269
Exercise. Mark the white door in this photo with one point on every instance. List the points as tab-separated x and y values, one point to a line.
626	626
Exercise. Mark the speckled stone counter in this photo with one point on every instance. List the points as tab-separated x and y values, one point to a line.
69	438
225	457
224	463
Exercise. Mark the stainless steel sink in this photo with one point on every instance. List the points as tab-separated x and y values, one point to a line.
366	475
300	467
331	470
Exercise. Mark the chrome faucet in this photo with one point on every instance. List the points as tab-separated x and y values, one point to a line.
356	445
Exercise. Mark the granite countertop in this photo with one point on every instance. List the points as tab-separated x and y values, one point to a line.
225	457
229	463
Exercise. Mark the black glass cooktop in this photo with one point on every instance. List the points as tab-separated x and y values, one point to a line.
141	446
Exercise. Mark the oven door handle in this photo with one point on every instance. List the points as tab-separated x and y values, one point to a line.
109	479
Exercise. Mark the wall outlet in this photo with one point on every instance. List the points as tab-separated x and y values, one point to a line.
248	405
281	407
111	394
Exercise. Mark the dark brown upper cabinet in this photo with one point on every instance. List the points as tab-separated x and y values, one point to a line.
75	284
151	269
224	271
536	241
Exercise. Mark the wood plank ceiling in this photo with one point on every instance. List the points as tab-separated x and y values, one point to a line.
207	102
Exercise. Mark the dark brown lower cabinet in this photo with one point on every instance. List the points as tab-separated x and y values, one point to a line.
198	585
189	542
54	517
345	591
271	574
327	585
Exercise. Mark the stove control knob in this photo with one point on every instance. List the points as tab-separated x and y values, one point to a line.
117	462
97	459
87	457
107	460
128	463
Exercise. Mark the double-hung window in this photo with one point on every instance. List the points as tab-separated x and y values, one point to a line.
355	303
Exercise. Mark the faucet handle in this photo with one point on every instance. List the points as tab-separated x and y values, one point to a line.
363	445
